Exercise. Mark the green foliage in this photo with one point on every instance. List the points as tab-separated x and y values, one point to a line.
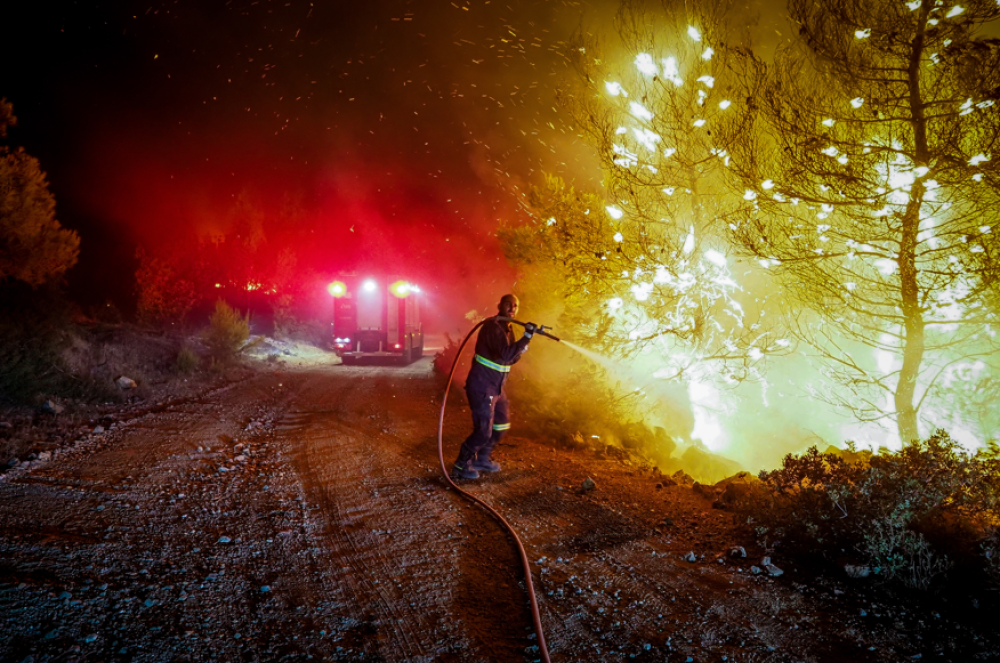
227	332
34	247
906	514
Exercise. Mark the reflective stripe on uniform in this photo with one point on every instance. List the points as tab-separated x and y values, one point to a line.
491	364
501	426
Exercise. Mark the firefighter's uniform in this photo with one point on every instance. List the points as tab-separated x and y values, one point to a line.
496	352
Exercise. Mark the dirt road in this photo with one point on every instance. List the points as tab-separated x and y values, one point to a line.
299	514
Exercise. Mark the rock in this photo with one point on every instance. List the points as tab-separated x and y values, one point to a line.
124	382
690	557
668	522
708	492
588	484
737	551
44	455
682	478
734	492
98	430
224	539
755	570
240	459
857	570
736	487
773	570
52	406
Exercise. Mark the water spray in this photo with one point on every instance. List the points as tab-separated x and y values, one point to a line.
535	615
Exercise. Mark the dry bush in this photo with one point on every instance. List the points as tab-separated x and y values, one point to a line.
34	331
187	360
227	332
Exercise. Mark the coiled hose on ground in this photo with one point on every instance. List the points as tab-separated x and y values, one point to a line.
535	616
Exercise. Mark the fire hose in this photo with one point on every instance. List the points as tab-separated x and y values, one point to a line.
535	616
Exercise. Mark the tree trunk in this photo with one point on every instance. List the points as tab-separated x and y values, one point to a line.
913	318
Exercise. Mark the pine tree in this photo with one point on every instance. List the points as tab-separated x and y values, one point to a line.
873	181
34	247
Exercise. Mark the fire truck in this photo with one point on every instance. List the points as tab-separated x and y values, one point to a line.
376	320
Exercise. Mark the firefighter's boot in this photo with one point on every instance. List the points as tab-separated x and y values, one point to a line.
484	464
464	470
482	461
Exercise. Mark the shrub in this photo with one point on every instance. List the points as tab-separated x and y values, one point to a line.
907	514
187	360
444	359
34	330
227	332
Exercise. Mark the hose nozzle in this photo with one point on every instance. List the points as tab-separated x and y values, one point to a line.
540	329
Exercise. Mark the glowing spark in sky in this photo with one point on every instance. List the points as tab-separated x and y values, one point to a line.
614	212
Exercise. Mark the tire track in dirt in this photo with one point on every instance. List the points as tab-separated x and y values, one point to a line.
432	572
342	474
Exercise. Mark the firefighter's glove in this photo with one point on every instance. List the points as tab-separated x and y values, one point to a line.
530	329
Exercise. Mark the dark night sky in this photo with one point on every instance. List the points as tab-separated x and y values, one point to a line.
408	121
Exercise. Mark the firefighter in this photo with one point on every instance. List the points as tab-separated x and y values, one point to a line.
496	352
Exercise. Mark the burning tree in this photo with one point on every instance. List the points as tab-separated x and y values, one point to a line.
645	263
873	185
